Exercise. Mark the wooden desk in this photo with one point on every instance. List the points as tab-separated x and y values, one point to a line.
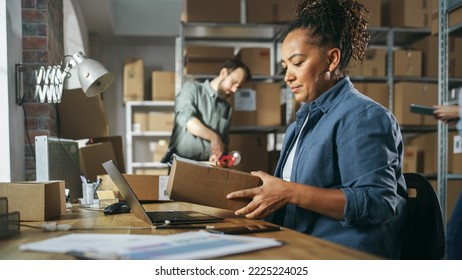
297	246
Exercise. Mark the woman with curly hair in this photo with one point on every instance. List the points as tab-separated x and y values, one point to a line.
339	173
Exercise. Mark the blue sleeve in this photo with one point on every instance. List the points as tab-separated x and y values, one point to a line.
370	159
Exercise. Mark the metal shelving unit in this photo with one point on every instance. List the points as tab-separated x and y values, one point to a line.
139	139
269	35
444	31
237	35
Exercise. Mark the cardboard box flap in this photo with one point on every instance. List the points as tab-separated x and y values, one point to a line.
203	184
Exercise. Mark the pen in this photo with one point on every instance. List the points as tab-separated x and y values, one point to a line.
182	227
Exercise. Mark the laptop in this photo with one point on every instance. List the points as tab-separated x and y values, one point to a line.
155	218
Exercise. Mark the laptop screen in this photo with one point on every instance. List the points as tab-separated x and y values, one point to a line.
155	217
126	191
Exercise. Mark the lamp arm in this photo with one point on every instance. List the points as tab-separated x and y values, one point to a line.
50	82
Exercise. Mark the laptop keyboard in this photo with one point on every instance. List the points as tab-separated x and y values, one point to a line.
172	216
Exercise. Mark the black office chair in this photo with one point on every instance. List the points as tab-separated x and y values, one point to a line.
424	236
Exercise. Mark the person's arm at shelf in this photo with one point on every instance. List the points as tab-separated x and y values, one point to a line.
197	128
447	113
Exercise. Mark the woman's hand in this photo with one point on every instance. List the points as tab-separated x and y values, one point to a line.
273	194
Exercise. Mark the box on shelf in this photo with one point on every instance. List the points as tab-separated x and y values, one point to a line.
211	11
453	190
140	121
428	151
257	59
407	63
454	17
411	159
456	151
429	48
206	59
133	82
376	91
203	67
407	13
375	10
163	85
159	149
209	52
407	93
81	116
253	148
270	11
454	57
373	65
203	184
257	104
161	121
35	201
145	187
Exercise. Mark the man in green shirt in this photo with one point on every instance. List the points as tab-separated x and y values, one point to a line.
203	114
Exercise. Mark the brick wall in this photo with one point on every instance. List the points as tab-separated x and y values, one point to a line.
42	30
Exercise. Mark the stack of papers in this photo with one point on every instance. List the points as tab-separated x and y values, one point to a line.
187	245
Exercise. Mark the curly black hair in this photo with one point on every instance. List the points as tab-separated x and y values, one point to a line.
338	23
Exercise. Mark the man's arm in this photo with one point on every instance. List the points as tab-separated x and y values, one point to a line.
197	128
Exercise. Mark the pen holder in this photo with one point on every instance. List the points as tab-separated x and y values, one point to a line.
88	191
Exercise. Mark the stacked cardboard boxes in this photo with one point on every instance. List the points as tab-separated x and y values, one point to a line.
206	59
163	85
269	11
407	93
257	59
133	83
257	104
211	11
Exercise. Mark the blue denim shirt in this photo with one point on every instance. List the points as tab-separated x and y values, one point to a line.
354	144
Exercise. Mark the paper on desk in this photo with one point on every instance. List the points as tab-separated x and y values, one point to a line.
187	245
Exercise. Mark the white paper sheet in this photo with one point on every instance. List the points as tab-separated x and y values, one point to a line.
187	245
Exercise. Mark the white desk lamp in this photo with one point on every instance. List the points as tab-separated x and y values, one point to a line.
94	78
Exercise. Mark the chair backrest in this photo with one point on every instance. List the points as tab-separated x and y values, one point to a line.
424	236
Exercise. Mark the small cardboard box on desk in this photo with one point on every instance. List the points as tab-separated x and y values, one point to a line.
145	187
200	183
35	201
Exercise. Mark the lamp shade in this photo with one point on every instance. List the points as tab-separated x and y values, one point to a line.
93	76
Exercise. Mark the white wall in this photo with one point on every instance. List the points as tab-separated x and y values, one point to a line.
155	44
75	37
12	163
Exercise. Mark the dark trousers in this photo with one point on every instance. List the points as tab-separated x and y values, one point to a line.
454	234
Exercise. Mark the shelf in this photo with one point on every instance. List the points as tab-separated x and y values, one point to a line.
254	77
232	32
368	79
454	4
450	176
136	157
401	36
455	30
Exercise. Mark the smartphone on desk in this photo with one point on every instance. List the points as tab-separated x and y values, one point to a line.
420	109
244	229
